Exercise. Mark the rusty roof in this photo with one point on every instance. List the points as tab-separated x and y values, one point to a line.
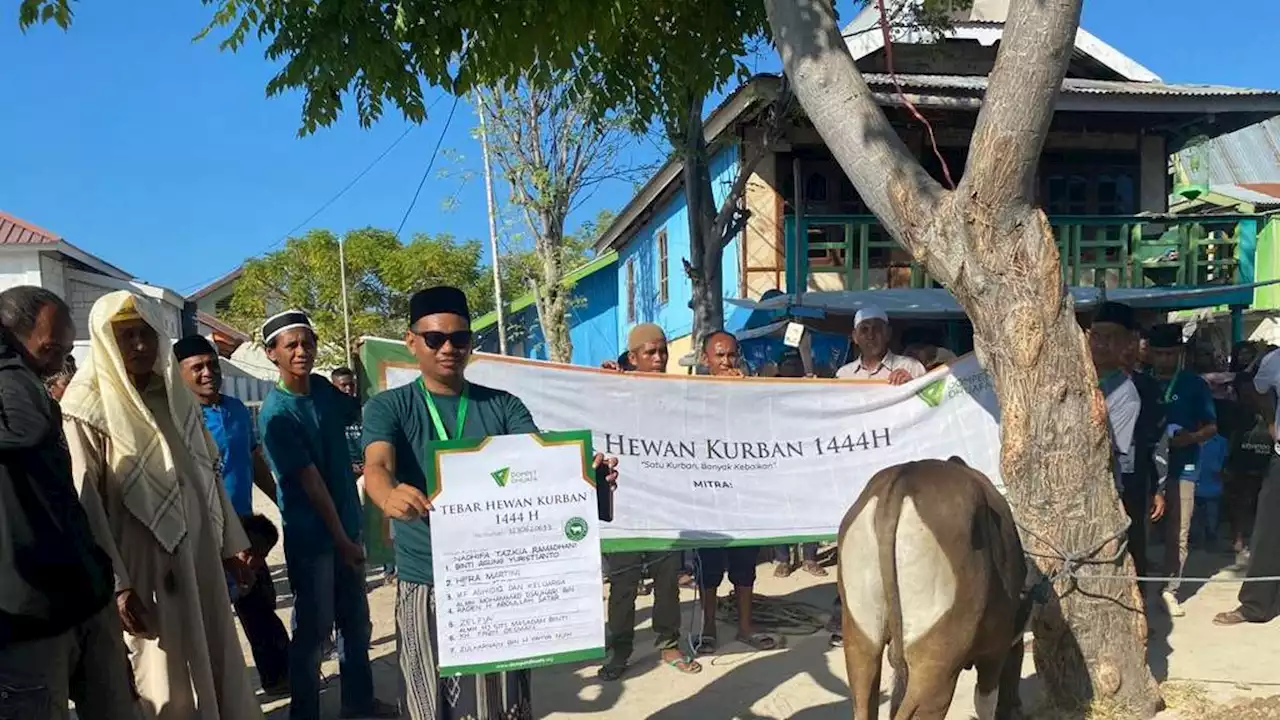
1072	86
16	231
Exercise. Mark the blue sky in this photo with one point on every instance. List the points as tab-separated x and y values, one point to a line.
166	158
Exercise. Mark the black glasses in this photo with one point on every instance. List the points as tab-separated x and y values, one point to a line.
460	339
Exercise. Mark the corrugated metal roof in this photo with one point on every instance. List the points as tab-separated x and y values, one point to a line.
1248	155
16	231
1071	86
1263	196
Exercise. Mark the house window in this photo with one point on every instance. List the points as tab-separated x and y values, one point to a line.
631	291
663	290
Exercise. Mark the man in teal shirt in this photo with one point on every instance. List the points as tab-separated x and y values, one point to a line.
303	426
399	426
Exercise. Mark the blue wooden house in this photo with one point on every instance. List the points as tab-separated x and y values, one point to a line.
1103	180
593	317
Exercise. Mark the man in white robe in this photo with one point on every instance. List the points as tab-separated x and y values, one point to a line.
147	472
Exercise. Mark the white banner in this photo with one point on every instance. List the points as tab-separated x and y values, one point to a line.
751	461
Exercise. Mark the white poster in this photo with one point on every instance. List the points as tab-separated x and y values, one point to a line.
515	540
751	461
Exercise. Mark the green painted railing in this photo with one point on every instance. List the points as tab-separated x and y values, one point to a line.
853	252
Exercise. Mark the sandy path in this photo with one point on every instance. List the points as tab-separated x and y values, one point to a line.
806	680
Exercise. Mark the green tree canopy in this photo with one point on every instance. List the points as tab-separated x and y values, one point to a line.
382	273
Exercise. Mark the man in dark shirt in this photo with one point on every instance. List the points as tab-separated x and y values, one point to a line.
1190	420
60	635
303	426
1141	501
400	427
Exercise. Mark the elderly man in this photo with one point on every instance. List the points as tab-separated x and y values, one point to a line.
148	471
229	423
720	355
303	423
401	425
875	360
59	632
647	352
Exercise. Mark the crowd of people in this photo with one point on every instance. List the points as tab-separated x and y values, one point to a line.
128	540
1181	449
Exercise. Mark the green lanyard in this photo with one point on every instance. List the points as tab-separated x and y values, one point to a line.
1168	391
435	414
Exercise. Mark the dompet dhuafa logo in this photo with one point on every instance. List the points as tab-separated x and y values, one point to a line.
500	476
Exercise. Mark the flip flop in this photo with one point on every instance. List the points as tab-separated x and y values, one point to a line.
783	570
705	645
1232	617
684	664
815	569
759	641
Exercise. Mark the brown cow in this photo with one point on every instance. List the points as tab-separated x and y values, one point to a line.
931	564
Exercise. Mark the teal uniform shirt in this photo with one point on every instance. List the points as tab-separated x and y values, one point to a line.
311	429
399	416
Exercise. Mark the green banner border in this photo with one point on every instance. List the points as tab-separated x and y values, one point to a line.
535	661
643	544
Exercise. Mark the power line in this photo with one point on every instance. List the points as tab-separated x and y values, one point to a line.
430	163
330	201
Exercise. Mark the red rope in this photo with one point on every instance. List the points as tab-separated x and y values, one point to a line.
893	76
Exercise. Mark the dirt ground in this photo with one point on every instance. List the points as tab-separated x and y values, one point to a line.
1205	668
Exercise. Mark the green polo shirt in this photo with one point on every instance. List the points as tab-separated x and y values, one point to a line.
399	416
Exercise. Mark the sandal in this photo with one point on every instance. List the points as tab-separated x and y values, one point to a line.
684	664
705	645
814	569
612	673
685	580
759	641
1233	617
783	570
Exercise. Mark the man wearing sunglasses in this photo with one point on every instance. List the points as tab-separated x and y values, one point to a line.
400	426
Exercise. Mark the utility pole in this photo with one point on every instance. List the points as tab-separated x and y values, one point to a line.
493	230
346	311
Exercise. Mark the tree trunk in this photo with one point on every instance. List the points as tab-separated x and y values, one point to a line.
553	299
706	249
997	254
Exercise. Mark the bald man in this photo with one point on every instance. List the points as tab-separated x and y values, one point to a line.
647	352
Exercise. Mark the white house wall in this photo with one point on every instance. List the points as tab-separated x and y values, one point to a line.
84	289
20	268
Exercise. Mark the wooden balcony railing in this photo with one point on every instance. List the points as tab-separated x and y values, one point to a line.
853	252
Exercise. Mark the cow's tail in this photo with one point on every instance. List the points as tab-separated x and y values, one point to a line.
887	525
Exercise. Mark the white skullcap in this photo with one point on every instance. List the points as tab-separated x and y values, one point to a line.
870	312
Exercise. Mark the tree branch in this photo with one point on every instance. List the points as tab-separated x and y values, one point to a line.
836	97
1018	107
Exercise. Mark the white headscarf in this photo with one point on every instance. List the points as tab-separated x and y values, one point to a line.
102	397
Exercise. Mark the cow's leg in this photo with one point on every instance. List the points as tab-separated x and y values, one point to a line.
863	610
862	657
1010	705
986	692
930	686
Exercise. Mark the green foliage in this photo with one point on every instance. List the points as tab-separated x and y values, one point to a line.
382	273
520	265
